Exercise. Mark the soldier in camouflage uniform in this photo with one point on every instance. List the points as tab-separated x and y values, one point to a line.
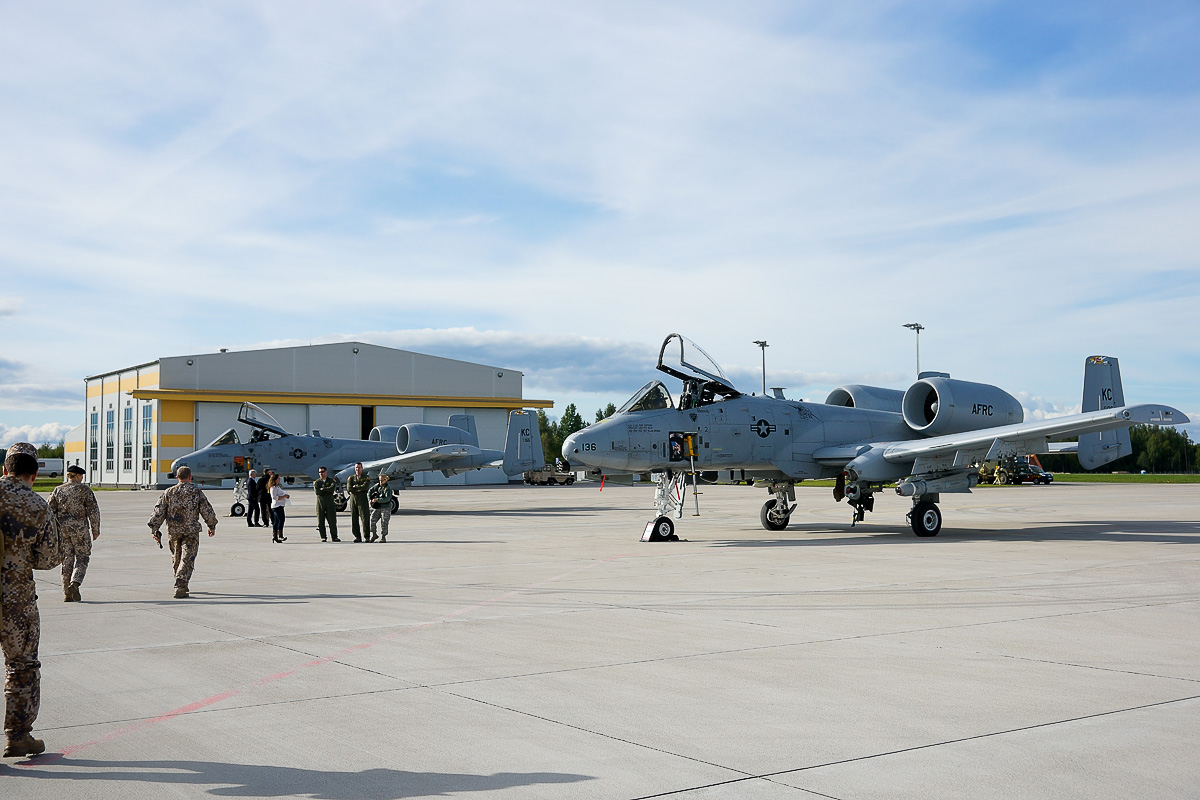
325	488
75	510
182	506
358	485
28	540
381	503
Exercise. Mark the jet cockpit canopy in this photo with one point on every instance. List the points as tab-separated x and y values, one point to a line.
261	421
651	397
228	437
703	379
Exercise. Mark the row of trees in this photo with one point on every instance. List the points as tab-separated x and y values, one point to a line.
1155	449
555	433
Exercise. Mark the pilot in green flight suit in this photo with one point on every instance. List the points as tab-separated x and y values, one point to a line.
326	488
358	485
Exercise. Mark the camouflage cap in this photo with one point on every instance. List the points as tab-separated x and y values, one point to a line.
23	447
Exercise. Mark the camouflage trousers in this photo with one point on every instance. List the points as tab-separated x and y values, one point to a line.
183	556
19	637
380	518
77	552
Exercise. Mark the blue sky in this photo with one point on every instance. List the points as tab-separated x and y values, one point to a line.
555	187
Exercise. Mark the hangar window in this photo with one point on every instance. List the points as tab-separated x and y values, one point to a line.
110	435
228	437
147	440
127	440
94	443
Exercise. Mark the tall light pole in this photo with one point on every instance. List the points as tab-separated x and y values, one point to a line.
918	327
764	347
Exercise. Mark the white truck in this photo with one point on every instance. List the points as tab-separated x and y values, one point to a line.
50	467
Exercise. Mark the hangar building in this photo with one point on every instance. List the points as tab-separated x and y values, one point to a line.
139	419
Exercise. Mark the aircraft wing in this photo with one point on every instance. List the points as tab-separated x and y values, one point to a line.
443	457
1029	437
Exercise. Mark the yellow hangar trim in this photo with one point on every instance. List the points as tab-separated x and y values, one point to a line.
226	396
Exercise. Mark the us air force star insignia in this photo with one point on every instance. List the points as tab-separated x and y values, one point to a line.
763	428
297	453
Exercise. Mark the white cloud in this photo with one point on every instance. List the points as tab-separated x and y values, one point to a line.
590	177
49	433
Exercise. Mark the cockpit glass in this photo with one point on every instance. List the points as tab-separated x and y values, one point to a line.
651	397
228	437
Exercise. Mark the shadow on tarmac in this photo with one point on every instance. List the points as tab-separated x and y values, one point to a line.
554	511
1106	531
221	598
253	780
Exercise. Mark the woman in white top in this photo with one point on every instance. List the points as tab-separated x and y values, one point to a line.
279	499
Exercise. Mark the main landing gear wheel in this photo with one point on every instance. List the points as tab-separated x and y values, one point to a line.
237	510
770	519
663	531
926	519
339	504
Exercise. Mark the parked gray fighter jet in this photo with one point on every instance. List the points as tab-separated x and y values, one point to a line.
929	438
399	450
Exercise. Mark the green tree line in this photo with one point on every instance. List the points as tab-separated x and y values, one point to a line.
1155	449
554	433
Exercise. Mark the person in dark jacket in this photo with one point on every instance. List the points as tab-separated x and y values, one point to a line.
264	498
253	504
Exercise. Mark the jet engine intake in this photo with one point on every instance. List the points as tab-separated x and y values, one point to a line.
936	406
872	398
383	433
416	436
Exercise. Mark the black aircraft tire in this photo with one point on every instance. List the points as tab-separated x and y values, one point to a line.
926	519
237	510
664	530
764	516
339	504
395	504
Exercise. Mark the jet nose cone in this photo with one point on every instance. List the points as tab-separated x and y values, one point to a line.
573	446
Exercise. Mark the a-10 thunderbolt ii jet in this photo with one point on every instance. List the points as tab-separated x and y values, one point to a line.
398	450
929	439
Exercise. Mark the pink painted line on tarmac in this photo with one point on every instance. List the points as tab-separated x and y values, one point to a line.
269	679
137	726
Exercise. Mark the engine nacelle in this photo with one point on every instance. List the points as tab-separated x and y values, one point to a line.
936	406
873	398
417	436
383	433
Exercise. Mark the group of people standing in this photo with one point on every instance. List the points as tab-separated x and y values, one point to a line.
266	499
370	504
